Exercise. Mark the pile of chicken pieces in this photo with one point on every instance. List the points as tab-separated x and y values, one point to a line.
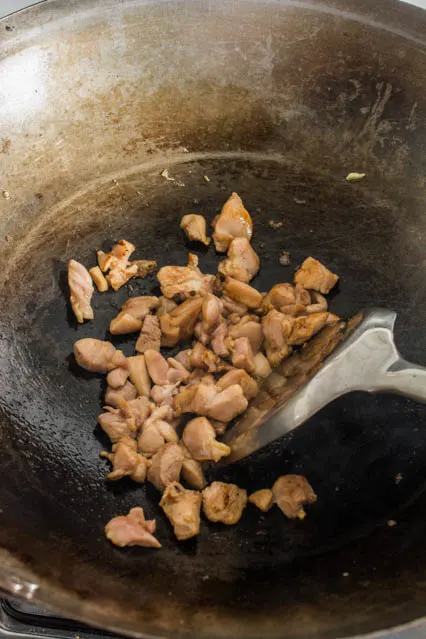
232	336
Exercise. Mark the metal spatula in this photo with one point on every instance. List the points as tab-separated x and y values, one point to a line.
356	356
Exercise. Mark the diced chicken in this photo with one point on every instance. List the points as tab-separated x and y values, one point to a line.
182	509
97	356
180	280
124	323
150	441
132	530
199	438
177	371
98	278
117	377
242	293
203	398
242	263
140	410
228	404
184	358
114	395
81	289
179	324
192	474
119	255
262	367
241	377
202	357
139	376
167	431
165	306
140	306
183	400
211	311
195	228
306	326
144	267
150	335
163	394
276	329
242	354
315	276
219	342
119	267
250	329
158	367
165	466
224	502
126	461
234	221
291	493
116	426
234	310
262	499
279	295
318	303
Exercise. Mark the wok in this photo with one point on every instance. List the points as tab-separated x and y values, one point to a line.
277	101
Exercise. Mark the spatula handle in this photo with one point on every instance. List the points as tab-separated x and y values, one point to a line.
405	379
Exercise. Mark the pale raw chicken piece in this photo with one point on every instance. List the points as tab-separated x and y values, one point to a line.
262	499
116	426
224	502
150	335
219	427
262	367
228	404
277	329
199	438
124	323
114	395
242	293
180	280
139	376
158	367
126	461
233	221
241	377
248	328
306	326
117	377
315	276
165	466
195	228
165	306
291	493
242	354
318	303
81	289
242	263
192	471
180	323
182	508
98	278
97	356
132	530
140	409
233	308
219	342
163	394
211	312
140	306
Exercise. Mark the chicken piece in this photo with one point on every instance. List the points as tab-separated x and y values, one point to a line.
81	291
163	394
150	335
203	398
235	310
277	329
165	306
116	426
98	278
219	427
97	356
117	377
177	371
211	311
202	357
119	267
242	293
195	228
179	324
306	326
192	474
158	368
219	342
132	530
114	395
279	295
242	354
124	323
262	499
224	502
250	329
318	303
234	221
139	376
126	461
144	267
241	377
199	438
182	508
228	404
165	466
184	358
150	441
119	255
242	263
262	367
180	280
183	400
315	276
140	306
140	410
167	431
291	493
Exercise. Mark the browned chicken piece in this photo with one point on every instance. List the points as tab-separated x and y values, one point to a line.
228	404
332	318
163	394
219	342
114	395
234	310
180	280
202	357
262	367
116	426
81	289
126	461
192	471
242	263
291	493
150	335
250	329
241	377
224	502
117	377
140	409
158	367
276	329
195	228
242	354
219	427
182	508
199	438
279	295
211	312
97	356
124	323
139	376
119	267
167	431
132	530
184	358
234	221
180	323
262	499
144	267
150	440
180	374
140	306
165	306
306	326
165	466
318	303
242	293
315	276
203	398
98	278
119	255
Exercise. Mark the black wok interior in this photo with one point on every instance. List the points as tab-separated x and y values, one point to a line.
347	95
